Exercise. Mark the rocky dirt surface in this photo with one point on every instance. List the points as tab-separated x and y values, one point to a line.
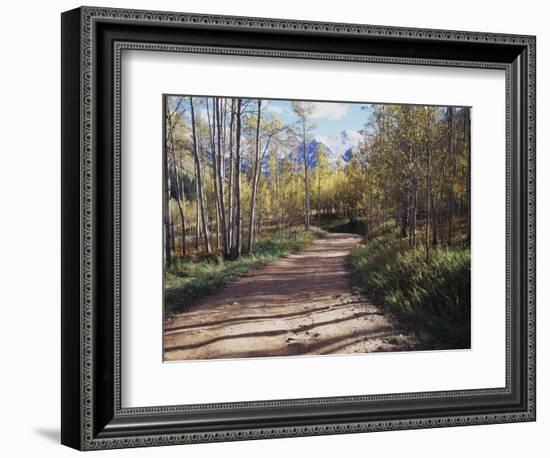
302	304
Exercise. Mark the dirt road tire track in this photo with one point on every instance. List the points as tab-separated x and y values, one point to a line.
303	304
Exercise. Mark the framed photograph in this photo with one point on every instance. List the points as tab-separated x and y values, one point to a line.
276	228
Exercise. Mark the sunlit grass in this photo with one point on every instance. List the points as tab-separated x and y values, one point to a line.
430	298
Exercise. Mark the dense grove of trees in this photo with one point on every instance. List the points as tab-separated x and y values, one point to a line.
234	170
415	167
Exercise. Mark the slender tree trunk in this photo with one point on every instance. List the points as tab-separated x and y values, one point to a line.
172	235
434	216
415	204
405	218
371	216
168	241
197	221
212	135
469	165
221	179
254	181
450	186
200	182
279	215
186	228
179	192
230	183
238	209
385	212
409	193
217	216
169	230
306	176
180	211
428	202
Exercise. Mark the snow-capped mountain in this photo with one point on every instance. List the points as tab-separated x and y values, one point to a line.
311	152
347	155
341	144
336	146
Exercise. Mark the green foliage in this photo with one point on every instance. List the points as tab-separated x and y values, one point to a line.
431	298
403	181
357	226
187	281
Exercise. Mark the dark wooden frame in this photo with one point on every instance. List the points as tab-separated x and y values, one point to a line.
92	42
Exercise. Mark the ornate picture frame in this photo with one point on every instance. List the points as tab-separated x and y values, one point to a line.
93	416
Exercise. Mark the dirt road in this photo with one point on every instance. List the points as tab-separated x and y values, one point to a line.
303	304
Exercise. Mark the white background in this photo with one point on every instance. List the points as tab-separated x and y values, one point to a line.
147	75
29	230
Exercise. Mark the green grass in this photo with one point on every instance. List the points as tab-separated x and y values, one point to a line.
431	299
187	281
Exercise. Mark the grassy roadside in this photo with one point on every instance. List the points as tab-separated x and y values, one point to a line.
430	299
187	281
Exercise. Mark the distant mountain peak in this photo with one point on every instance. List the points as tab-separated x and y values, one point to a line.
340	145
311	153
337	147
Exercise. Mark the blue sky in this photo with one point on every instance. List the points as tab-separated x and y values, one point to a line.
331	117
337	124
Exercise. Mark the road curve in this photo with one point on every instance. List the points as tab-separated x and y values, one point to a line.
302	304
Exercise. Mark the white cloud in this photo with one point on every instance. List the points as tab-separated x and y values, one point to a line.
277	109
329	110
